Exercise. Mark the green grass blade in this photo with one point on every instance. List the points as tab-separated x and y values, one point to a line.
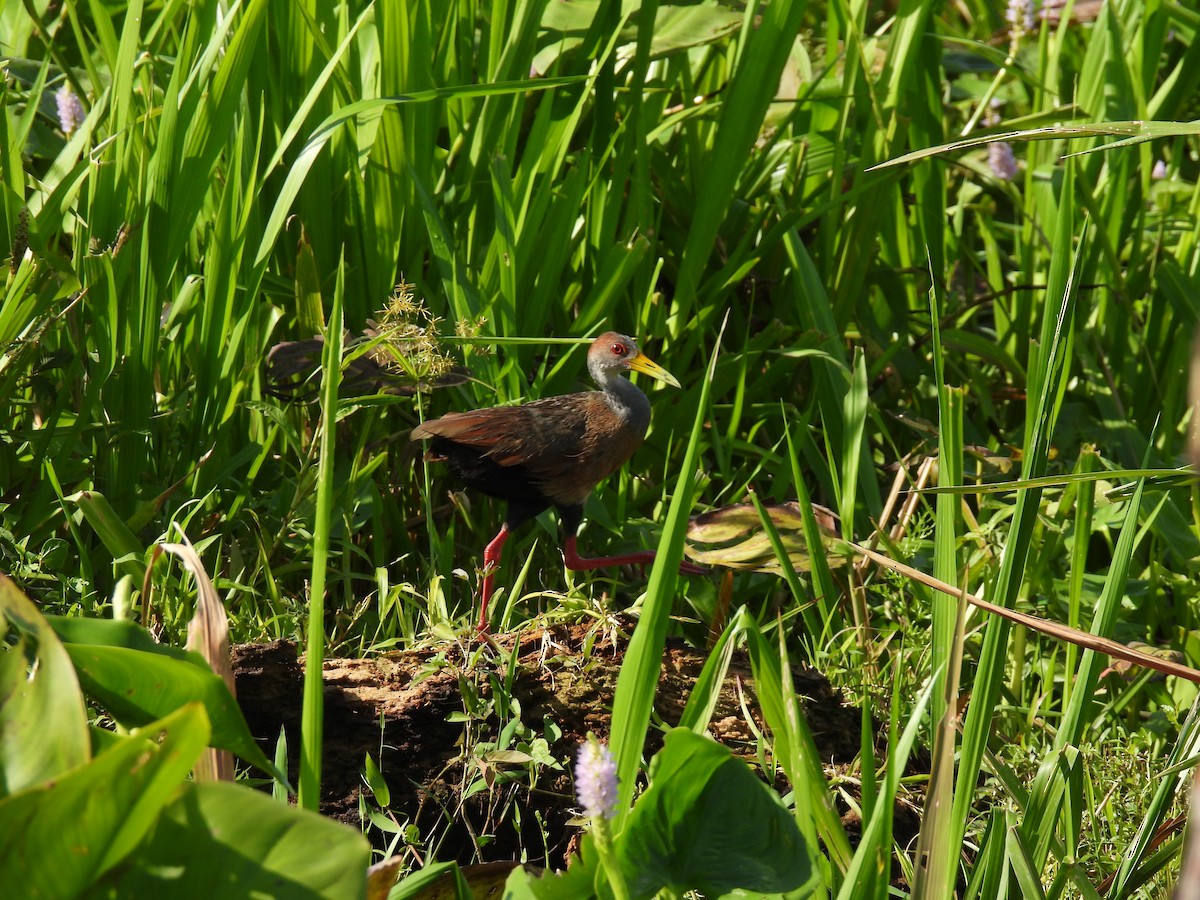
636	684
312	724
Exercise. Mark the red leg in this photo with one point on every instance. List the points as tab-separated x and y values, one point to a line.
577	563
491	562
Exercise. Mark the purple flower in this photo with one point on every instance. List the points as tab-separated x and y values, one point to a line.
596	779
1001	160
1159	172
70	110
1019	15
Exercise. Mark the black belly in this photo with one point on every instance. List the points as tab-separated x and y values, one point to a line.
512	483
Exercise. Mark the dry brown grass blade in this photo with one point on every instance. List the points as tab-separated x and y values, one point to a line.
208	635
382	877
1045	626
1188	886
1194	398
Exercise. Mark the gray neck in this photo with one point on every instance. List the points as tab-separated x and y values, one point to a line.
628	402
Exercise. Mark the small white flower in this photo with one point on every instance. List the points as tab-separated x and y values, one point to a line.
70	109
1159	172
1019	15
1001	160
596	779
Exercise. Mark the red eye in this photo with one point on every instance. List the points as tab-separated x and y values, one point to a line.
618	350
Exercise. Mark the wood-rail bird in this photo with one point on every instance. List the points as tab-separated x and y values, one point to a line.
552	452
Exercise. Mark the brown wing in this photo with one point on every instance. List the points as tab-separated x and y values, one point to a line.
567	444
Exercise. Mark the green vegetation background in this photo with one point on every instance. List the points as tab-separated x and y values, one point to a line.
550	169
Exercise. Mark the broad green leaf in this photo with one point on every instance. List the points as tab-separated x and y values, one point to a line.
116	633
676	27
43	719
138	687
736	537
57	838
226	840
578	882
707	823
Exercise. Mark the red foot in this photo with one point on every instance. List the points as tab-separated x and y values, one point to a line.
577	563
491	561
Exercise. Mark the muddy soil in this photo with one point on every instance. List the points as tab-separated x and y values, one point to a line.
422	715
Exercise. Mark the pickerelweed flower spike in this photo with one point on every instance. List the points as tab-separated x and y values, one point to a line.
1019	15
1001	160
70	109
596	779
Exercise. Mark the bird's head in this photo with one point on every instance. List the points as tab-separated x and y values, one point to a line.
613	353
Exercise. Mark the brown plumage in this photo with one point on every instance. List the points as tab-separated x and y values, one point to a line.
552	452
